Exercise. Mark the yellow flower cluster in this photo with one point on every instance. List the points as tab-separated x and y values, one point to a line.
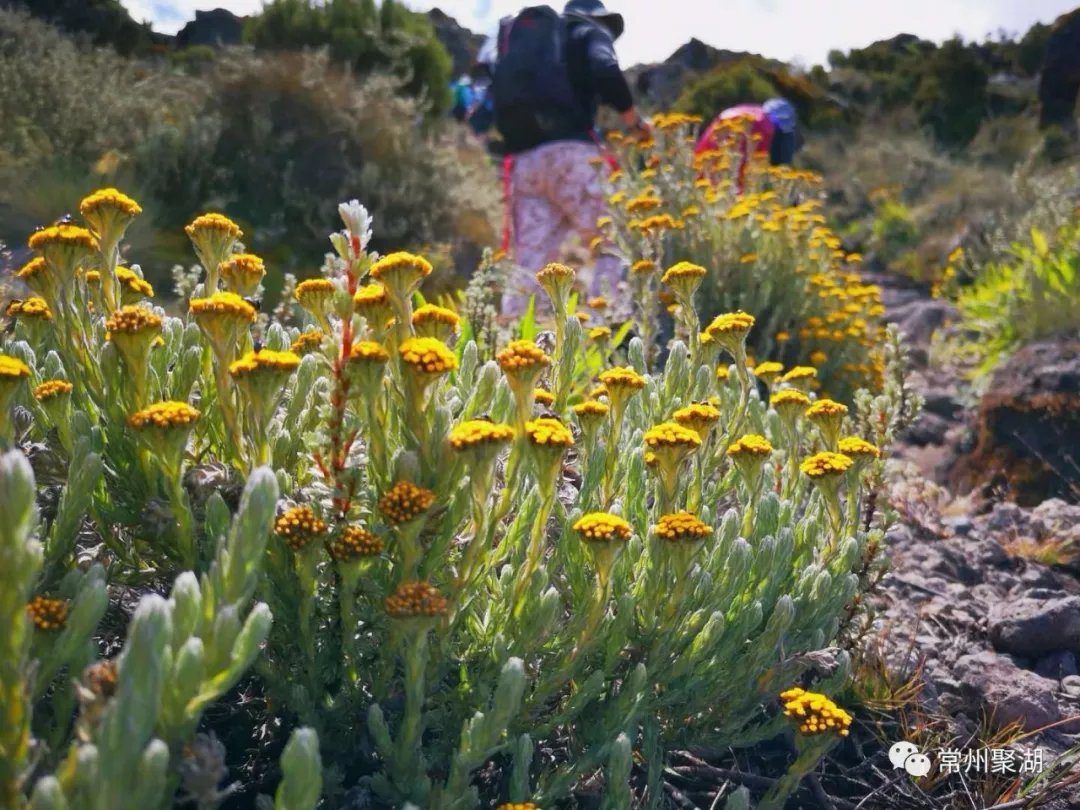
683	270
132	320
405	501
730	323
32	268
658	223
416	600
398	262
643	266
752	444
542	396
769	371
815	713
625	379
826	408
107	200
789	397
311	290
368	350
244	270
598	303
164	415
520	355
799	373
600	333
549	432
52	388
307	342
642	204
602	527
432	314
592	408
299	527
428	355
370	296
518	806
698	416
33	307
213	224
555	272
13	368
681	526
132	281
354	543
666	121
63	235
102	677
47	613
225	304
264	360
857	447
476	432
671	434
825	464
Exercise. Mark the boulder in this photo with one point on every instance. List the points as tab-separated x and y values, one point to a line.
461	43
1006	692
1028	427
1034	627
918	320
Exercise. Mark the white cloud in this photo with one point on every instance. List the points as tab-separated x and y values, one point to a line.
784	29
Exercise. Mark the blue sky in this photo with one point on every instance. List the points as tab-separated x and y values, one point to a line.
792	30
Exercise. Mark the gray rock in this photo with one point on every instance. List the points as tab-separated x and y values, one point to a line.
942	403
1070	684
961	525
1035	627
996	685
920	319
928	429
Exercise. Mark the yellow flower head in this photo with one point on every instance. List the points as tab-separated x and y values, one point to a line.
480	433
428	356
547	432
523	358
643	267
265	361
800	374
243	272
107	202
623	379
825	408
699	417
307	342
600	333
722	373
133	287
405	502
528	805
591	408
33	269
51	389
555	274
657	224
299	527
34	307
790	398
598	391
12	368
731	323
315	295
826	464
371	295
165	416
368	351
598	303
353	543
222	306
768	371
416	600
815	713
602	527
132	320
47	613
213	227
436	322
642	204
542	396
673	435
683	271
402	273
858	448
818	357
680	527
751	445
63	246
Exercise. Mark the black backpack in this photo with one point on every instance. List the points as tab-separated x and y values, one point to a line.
534	96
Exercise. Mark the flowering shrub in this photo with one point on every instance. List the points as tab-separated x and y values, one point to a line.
766	251
565	545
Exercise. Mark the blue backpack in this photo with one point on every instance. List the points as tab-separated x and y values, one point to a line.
534	98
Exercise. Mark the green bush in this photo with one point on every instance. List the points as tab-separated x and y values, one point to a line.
106	22
951	95
738	83
387	38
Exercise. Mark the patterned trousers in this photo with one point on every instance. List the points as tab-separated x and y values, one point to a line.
555	192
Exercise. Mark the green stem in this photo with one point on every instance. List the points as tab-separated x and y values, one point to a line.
185	535
412	722
535	550
813	752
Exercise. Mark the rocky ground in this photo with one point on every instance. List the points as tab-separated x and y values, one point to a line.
991	633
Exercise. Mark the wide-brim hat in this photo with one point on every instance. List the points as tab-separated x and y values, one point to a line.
595	10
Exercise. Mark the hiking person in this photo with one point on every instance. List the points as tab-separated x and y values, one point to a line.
464	98
774	131
1059	83
551	74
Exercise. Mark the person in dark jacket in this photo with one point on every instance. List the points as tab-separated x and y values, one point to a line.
1059	83
553	187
